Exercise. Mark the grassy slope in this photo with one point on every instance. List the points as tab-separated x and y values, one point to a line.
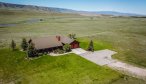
127	36
98	45
65	69
55	70
16	16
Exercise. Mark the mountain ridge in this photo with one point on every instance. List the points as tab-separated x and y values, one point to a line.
4	5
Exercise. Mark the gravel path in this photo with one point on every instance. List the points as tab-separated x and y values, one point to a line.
103	57
129	69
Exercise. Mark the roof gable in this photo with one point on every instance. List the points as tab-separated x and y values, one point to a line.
46	42
65	39
50	41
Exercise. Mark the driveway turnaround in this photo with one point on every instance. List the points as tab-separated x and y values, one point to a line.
103	57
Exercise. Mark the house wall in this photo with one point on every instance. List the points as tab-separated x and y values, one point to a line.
74	45
48	49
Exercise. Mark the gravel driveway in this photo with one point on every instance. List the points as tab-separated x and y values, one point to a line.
129	69
103	57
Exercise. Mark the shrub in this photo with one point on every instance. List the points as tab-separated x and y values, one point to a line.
67	48
31	51
60	51
72	36
13	45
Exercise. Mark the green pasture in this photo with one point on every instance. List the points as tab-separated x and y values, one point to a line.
125	35
15	68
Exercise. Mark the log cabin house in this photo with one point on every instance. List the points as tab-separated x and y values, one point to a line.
50	43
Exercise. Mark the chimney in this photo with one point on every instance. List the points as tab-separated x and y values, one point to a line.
58	38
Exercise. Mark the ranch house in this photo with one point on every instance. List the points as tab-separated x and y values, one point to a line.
50	43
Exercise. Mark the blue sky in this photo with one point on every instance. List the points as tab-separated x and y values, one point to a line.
126	6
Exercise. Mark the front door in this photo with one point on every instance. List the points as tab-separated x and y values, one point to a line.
76	46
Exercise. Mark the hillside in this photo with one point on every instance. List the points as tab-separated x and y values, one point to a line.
34	8
61	10
9	6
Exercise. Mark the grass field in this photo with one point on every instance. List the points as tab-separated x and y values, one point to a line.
125	35
72	69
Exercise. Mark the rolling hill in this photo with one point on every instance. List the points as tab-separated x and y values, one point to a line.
34	8
61	10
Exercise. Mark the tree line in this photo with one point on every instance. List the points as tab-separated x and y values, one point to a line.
28	47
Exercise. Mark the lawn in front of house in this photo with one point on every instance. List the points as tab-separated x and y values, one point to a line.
64	69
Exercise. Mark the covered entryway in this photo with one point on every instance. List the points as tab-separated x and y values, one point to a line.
74	44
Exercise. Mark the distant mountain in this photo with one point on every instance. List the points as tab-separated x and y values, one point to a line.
61	10
117	13
34	8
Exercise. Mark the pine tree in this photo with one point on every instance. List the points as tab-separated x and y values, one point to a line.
31	51
13	45
30	40
24	44
91	47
